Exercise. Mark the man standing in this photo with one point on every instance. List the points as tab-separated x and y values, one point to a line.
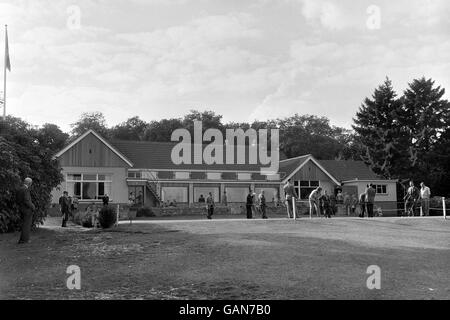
249	204
262	204
340	197
290	195
26	208
362	204
370	199
347	204
333	203
324	200
105	200
64	205
210	205
225	199
255	204
353	203
411	198
425	199
314	202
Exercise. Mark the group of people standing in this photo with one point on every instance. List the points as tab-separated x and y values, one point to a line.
367	201
414	196
323	204
67	206
320	202
256	205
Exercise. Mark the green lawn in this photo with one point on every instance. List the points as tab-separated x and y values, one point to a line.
228	259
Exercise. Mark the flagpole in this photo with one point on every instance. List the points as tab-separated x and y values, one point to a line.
4	77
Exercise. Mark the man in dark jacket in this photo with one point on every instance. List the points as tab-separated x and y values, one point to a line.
362	204
210	205
105	200
370	199
411	198
64	204
26	208
249	204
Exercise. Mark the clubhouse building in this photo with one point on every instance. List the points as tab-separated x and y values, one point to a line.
143	171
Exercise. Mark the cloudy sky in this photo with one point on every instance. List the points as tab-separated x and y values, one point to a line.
246	60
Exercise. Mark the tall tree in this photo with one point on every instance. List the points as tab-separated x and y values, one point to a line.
162	130
50	136
209	119
378	128
90	120
132	129
308	134
427	116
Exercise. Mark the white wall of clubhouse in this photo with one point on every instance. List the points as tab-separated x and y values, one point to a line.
119	187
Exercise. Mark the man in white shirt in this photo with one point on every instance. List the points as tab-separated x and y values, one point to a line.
425	199
314	201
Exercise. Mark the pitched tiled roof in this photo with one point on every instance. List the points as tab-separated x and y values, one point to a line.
290	165
345	170
157	155
341	170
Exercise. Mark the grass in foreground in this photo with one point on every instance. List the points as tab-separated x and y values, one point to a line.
308	259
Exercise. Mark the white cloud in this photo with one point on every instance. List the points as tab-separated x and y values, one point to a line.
257	61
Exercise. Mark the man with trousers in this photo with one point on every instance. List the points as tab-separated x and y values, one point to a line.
105	200
262	204
64	204
362	204
425	199
411	198
370	200
26	208
249	204
291	195
324	201
314	201
210	205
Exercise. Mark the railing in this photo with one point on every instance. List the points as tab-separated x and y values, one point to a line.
153	185
438	206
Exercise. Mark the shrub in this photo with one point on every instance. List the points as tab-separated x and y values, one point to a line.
84	218
23	155
107	217
145	212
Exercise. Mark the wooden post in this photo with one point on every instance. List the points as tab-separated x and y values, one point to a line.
294	208
310	210
443	207
117	215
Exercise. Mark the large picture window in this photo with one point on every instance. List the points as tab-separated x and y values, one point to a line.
269	193
205	192
304	188
89	186
179	194
236	194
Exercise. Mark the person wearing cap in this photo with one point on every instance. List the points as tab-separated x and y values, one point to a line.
26	208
